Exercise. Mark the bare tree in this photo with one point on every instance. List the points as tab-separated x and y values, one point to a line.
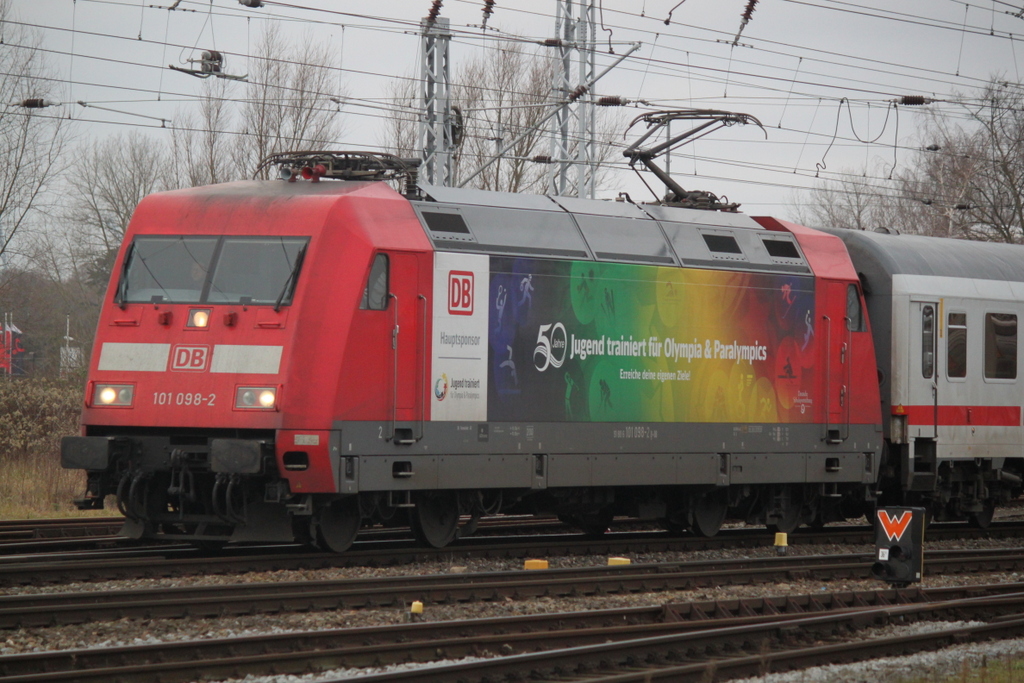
504	95
966	181
854	201
400	136
31	139
993	181
123	169
291	98
501	95
201	143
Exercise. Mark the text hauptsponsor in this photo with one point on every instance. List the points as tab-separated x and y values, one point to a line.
459	340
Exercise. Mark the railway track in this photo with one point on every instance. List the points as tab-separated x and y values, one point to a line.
182	560
50	609
129	562
40	532
675	641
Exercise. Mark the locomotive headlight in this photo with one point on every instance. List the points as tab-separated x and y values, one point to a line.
256	398
198	317
118	395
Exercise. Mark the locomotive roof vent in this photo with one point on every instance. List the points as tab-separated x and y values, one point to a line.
782	250
723	246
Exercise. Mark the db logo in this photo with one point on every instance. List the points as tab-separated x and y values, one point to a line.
190	358
460	292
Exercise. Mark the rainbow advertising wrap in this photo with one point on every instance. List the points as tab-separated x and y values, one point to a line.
582	341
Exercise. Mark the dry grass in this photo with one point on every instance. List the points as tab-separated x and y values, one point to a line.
34	414
38	488
1007	669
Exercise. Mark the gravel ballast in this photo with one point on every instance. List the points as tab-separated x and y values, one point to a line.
133	631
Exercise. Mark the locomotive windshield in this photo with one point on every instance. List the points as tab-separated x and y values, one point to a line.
216	270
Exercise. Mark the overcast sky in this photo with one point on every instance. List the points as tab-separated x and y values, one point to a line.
793	64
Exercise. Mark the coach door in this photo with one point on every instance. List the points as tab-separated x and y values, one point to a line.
408	348
923	411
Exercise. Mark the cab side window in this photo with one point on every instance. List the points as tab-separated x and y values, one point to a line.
854	314
375	295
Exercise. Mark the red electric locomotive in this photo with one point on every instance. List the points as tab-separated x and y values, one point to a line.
294	359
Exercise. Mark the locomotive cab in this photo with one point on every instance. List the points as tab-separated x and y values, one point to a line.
218	365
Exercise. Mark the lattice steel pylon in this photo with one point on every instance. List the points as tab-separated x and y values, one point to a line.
435	133
573	145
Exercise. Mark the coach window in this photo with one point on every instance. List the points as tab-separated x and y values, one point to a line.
1000	346
854	315
928	342
956	346
375	295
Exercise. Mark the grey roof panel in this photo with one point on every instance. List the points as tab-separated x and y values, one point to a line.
636	240
519	230
919	255
566	227
504	200
600	207
718	219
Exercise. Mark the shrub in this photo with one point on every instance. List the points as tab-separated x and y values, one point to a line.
34	414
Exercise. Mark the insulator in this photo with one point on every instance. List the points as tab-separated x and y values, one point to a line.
963	207
251	3
749	10
553	42
211	61
933	148
915	100
458	126
579	92
488	9
612	101
542	159
36	103
435	9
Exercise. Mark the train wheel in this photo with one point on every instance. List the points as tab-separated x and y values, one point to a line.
708	513
338	524
435	519
983	519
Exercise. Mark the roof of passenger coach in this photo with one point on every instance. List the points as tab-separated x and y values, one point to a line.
919	255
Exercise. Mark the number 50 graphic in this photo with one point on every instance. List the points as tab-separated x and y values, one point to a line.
550	347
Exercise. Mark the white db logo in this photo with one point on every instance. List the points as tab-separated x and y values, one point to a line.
190	358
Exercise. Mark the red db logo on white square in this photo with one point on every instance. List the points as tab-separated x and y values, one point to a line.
190	358
460	292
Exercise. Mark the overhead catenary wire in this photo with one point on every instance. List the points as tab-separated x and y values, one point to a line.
797	90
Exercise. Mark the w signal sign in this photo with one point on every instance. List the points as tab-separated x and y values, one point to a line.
894	526
899	545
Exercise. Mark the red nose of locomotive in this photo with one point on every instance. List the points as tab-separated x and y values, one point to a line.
198	332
